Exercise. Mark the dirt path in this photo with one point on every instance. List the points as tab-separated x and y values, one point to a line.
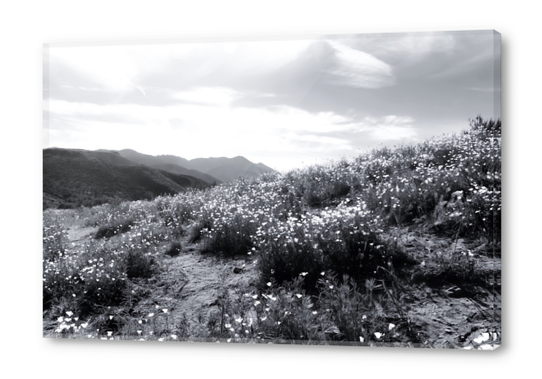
196	280
78	234
189	284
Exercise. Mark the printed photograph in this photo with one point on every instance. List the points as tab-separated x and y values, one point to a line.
326	190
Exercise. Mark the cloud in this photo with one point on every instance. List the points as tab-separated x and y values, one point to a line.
400	49
393	128
358	69
216	96
387	128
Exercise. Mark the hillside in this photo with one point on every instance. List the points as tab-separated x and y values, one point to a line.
165	163
74	178
398	247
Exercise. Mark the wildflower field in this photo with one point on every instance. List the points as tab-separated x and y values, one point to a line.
398	247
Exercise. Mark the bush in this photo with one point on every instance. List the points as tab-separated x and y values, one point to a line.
231	238
109	291
174	249
344	240
112	229
200	227
139	264
84	280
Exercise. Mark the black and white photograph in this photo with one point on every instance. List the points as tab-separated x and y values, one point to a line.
340	189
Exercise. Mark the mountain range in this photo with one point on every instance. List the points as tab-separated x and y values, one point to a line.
211	170
76	177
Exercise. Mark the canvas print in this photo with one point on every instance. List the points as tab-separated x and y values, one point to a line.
326	190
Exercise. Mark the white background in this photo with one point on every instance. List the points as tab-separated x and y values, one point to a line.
26	25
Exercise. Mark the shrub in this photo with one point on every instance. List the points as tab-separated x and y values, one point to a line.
457	267
139	264
174	249
109	291
230	238
107	231
344	240
368	313
84	280
199	228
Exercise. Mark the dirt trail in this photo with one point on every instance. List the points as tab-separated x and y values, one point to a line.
197	279
189	283
78	234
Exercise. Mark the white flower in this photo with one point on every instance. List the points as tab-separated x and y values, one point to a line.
481	338
378	335
487	347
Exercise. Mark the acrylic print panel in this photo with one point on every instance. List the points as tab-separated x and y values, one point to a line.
341	189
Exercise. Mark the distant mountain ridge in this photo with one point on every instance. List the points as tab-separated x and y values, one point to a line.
224	169
75	177
166	165
228	169
211	170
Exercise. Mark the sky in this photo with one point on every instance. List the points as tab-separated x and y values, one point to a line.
286	103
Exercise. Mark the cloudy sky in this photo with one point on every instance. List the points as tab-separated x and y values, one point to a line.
285	103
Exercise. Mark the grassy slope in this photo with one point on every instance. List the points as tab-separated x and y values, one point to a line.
400	246
83	178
